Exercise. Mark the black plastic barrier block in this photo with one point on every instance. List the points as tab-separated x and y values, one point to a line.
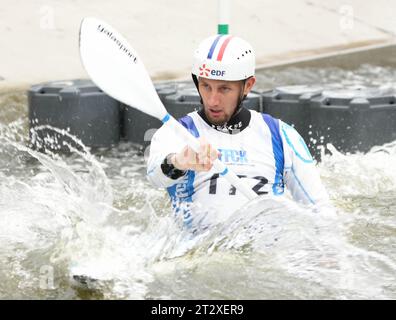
77	107
354	120
291	104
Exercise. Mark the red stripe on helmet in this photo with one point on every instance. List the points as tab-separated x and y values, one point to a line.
223	47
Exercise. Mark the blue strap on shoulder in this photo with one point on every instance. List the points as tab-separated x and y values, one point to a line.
277	148
189	124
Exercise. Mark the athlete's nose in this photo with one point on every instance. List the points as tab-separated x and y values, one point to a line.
214	99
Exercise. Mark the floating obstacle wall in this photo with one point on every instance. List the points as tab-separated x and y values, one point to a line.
352	120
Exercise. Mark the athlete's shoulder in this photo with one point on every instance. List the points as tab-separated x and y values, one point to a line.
272	123
188	117
267	117
278	124
295	143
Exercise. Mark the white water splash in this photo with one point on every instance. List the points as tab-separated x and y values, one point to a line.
360	174
62	214
66	210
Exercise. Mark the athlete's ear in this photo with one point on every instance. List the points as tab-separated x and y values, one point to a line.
249	84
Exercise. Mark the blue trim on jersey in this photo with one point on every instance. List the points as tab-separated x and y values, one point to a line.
301	186
309	159
277	148
181	196
181	192
225	171
189	124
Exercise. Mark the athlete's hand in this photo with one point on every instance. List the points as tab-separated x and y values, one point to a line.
188	159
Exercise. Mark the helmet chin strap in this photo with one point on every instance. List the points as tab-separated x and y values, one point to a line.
195	79
242	97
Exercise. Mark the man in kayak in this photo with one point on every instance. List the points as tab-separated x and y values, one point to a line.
269	154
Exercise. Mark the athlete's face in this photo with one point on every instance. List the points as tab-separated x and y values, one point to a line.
220	97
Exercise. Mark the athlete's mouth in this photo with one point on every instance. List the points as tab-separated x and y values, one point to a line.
215	113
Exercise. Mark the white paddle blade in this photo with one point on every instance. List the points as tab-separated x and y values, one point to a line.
115	67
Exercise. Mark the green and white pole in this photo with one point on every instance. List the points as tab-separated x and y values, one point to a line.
224	16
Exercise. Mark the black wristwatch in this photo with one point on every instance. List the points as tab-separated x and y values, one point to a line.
169	169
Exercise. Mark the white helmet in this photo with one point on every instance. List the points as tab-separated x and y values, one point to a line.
224	57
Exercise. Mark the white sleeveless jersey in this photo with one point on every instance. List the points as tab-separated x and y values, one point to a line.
268	154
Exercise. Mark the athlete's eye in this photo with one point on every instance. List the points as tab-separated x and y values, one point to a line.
225	89
204	86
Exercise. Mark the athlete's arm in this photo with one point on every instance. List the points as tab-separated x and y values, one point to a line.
170	159
300	173
160	171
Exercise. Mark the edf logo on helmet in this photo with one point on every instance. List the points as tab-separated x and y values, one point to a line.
205	71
